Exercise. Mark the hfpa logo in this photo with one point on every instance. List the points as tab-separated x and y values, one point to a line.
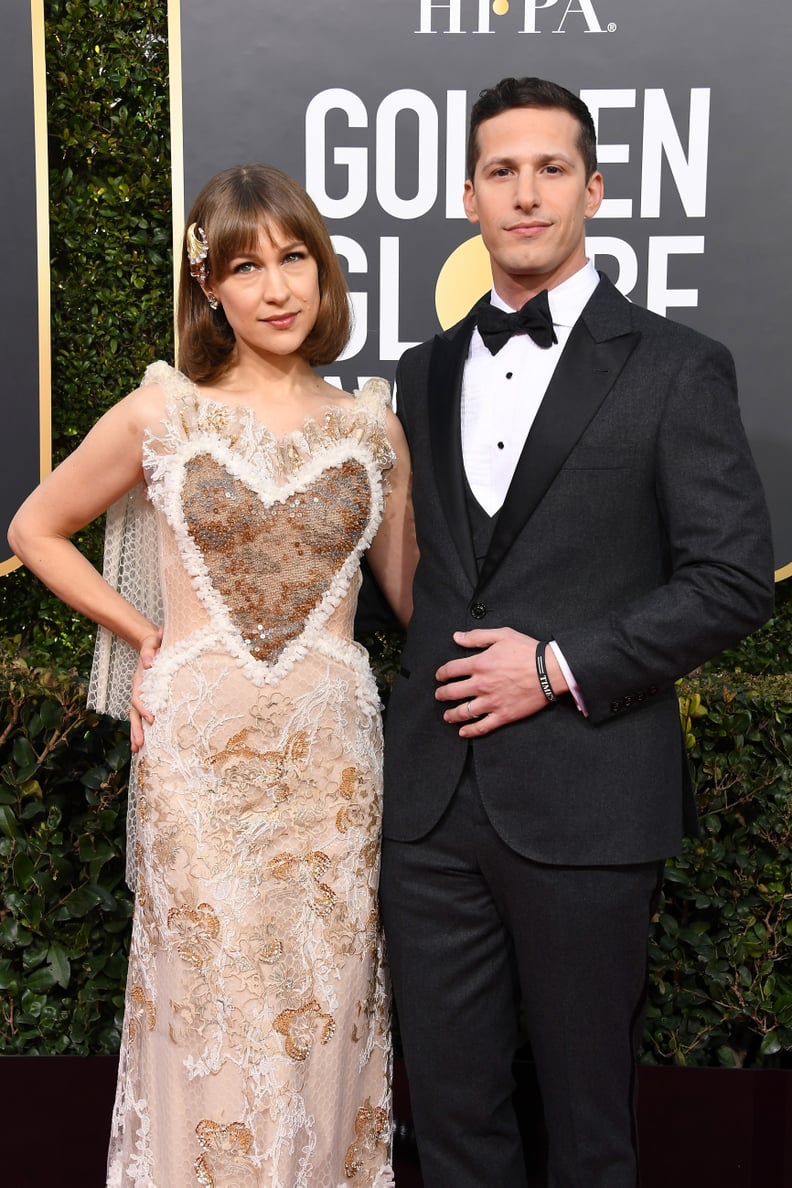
446	16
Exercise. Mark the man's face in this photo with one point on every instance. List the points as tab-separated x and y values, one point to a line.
530	196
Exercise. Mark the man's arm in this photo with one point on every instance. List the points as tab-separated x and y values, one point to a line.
720	586
717	527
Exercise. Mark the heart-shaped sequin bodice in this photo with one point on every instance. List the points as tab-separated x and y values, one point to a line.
272	560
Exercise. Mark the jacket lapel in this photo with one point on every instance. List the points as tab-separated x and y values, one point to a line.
598	347
445	394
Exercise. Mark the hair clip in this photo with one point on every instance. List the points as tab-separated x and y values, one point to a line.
197	251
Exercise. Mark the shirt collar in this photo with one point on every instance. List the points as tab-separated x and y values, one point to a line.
566	300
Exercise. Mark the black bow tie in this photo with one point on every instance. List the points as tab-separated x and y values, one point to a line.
496	326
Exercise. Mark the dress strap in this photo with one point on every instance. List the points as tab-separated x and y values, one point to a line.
375	397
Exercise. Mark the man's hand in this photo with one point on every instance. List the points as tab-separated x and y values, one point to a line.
138	714
497	685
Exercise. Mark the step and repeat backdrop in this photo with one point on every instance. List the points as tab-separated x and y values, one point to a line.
366	103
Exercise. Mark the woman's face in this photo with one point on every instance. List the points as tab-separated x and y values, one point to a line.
270	295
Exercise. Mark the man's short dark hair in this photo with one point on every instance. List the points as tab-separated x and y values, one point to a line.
531	92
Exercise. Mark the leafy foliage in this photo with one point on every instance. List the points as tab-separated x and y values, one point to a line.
110	234
768	650
384	649
65	914
721	950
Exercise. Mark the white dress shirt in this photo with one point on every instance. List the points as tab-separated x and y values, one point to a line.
501	395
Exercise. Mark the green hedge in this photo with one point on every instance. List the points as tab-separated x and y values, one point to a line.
64	923
721	950
110	240
720	986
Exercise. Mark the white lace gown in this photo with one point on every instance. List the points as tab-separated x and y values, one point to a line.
255	1046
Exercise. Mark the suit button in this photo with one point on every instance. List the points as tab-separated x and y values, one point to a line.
615	707
478	610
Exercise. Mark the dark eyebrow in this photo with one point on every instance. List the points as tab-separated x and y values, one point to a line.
287	247
544	159
497	161
552	158
252	253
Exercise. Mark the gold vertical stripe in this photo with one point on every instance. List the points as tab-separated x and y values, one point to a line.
177	147
42	235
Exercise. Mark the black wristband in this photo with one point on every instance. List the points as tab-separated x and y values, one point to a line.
541	672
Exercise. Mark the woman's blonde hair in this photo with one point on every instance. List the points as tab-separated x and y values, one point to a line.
231	210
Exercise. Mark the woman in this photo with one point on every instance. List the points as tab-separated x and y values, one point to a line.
255	1046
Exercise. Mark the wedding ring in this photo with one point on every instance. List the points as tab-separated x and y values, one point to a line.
470	711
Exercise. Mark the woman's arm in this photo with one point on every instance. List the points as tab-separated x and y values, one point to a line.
393	554
106	465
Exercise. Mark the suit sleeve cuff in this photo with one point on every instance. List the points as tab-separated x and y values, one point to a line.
574	688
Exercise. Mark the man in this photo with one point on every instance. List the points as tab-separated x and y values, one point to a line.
591	528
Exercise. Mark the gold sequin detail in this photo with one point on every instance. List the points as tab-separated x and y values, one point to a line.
272	952
284	866
236	1139
142	893
247	770
143	1008
298	1026
273	562
198	927
314	865
236	745
337	426
351	816
278	766
210	417
371	1129
348	782
228	1140
202	1173
369	855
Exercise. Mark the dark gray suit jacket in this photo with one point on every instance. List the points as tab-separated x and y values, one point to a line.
634	533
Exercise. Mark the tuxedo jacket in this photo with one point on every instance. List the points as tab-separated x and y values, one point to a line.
634	533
